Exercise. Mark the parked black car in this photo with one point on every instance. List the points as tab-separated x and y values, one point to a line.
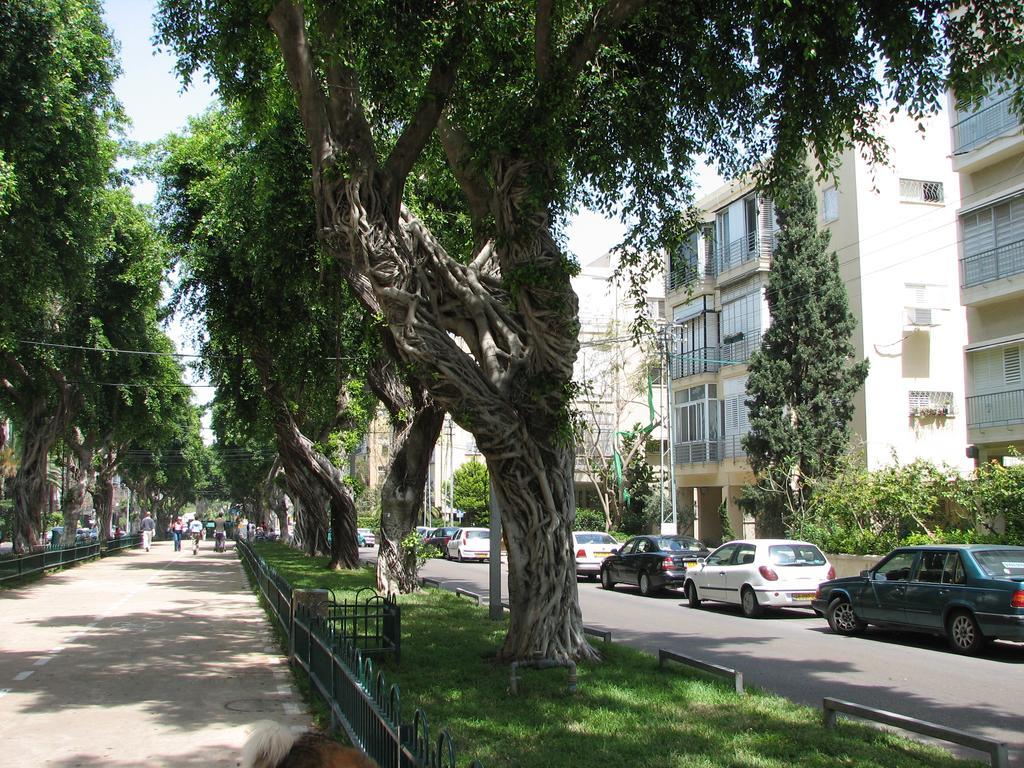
652	562
439	538
971	593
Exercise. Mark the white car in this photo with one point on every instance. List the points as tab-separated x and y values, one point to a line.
591	547
470	544
365	537
755	573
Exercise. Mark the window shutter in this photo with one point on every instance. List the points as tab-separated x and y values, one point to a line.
1011	365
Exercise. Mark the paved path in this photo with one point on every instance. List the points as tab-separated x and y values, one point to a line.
158	659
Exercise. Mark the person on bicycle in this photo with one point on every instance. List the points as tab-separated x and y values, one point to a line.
195	529
218	533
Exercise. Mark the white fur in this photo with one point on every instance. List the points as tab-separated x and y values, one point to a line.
267	745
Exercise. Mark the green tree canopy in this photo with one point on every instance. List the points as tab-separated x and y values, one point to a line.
471	492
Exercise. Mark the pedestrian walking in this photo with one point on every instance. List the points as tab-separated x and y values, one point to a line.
195	529
148	527
177	528
218	533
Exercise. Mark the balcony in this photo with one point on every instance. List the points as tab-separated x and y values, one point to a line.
983	125
710	451
995	264
695	362
687	273
1001	409
734	351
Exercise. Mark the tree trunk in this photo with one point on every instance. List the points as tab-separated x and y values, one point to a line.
401	499
103	501
31	486
78	478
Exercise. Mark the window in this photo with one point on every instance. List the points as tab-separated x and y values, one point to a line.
896	568
829	204
918	191
931	567
927	403
993	239
736	233
722	555
996	370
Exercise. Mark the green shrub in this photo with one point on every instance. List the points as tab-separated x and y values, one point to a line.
588	520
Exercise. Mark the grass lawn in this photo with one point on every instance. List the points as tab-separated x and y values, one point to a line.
626	711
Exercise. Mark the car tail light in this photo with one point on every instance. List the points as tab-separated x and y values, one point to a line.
768	573
667	564
1017	601
817	594
831	573
581	553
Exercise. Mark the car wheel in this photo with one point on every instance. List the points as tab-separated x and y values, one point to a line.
646	588
692	598
963	633
748	602
842	619
461	558
606	579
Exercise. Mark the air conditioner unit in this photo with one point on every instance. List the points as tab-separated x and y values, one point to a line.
922	316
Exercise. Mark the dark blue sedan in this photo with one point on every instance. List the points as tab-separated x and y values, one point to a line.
971	593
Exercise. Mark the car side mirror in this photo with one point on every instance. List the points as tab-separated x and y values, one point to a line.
701	560
615	550
865	574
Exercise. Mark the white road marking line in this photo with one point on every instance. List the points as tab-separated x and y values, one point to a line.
58	649
43	661
23	675
284	690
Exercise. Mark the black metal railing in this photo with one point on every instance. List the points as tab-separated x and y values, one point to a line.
983	125
18	566
996	410
333	643
694	362
1004	261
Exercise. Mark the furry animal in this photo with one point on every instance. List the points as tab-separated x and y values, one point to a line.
272	745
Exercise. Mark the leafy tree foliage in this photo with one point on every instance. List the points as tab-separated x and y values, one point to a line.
539	107
234	202
803	378
56	110
471	493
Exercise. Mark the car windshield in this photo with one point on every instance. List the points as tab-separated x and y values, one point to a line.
478	534
594	538
679	544
1002	563
795	554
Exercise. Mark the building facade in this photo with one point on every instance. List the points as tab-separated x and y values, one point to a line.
894	229
988	156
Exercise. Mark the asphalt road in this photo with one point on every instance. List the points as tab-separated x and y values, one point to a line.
793	653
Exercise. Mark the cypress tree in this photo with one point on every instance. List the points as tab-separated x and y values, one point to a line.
802	380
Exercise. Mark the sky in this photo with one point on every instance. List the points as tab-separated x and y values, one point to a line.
157	104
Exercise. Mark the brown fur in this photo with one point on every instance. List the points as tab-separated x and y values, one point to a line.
272	745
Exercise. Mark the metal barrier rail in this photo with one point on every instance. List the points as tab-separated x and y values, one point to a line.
322	641
704	666
20	566
996	749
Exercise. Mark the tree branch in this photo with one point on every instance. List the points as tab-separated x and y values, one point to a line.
289	24
542	39
474	184
584	47
439	86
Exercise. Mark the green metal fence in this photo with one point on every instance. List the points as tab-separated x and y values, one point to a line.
333	642
20	566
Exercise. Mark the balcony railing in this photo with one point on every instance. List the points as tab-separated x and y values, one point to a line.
1000	409
710	451
983	125
695	362
992	265
730	255
740	350
682	274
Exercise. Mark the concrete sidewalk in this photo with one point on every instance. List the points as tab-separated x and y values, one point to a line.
156	658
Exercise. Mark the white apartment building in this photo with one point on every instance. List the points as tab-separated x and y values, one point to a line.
615	370
988	155
894	229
